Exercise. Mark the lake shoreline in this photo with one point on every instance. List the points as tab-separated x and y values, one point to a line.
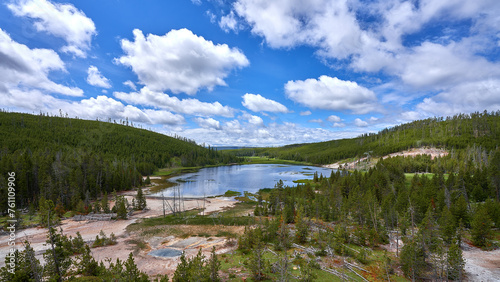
216	181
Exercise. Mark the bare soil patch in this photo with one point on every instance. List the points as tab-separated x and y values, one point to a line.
149	264
363	162
481	265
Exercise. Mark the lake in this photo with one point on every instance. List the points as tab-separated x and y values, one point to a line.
215	181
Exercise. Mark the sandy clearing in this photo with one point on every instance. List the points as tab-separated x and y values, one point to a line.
154	265
89	230
433	152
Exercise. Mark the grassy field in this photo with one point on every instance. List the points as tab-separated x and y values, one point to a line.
234	267
26	220
409	177
175	171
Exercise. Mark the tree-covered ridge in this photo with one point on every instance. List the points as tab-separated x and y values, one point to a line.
430	213
71	160
457	132
32	132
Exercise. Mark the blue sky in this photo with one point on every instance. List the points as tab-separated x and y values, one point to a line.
251	72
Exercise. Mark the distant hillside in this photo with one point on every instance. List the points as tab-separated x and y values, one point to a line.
457	132
223	148
68	160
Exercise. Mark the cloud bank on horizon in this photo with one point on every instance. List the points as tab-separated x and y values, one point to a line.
251	72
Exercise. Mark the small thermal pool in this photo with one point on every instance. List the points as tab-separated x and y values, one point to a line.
166	253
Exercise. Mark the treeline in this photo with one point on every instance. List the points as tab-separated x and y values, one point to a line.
431	214
68	160
481	130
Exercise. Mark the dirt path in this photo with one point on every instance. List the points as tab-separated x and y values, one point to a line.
89	230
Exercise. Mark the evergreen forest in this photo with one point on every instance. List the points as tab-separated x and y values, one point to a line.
480	130
401	218
68	160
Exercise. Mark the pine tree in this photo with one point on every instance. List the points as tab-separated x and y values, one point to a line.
213	267
182	272
97	207
105	203
412	259
283	236
140	200
77	243
494	174
57	257
196	269
301	226
455	262
27	266
459	211
481	227
121	208
47	214
307	271
132	273
87	265
257	263
447	226
427	230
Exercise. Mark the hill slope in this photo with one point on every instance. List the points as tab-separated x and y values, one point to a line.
68	160
457	132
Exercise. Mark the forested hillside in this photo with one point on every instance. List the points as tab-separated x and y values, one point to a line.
68	160
431	213
479	130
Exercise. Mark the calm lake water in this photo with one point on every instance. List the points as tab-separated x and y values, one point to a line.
215	181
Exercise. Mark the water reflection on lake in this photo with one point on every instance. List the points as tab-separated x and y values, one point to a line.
214	181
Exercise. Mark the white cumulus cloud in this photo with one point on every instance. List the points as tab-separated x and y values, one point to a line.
164	117
333	118
432	65
385	37
275	134
331	93
257	103
463	98
229	22
255	120
318	120
360	123
24	68
252	119
329	25
95	78
130	84
101	107
208	123
60	20
179	61
147	97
